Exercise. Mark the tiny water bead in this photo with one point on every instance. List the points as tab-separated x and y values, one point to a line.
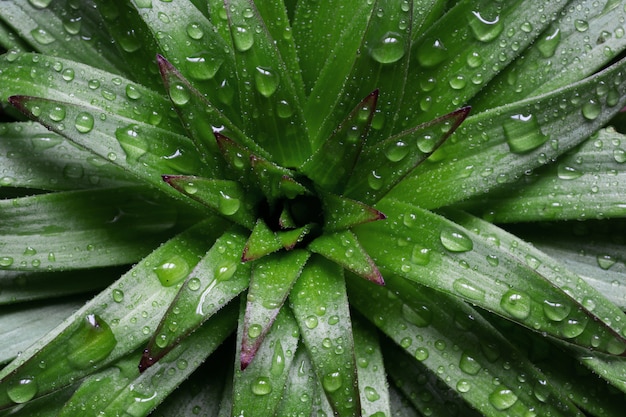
266	80
262	386
118	295
389	49
57	113
254	331
371	394
311	322
421	354
591	109
84	122
397	151
523	133
22	390
332	381
455	240
179	94
242	38
502	399
516	303
463	386
194	31
225	271
172	271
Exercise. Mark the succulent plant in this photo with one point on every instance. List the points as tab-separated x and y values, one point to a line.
312	208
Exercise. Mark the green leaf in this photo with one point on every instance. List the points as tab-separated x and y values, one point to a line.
581	41
36	158
53	232
122	389
135	301
218	278
342	213
271	110
297	398
429	325
488	267
271	281
320	305
344	248
260	386
262	241
486	151
585	183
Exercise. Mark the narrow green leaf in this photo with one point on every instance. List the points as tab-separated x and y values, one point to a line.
332	163
122	389
386	163
262	241
260	386
297	398
581	41
52	232
344	248
320	305
272	114
290	238
33	157
586	183
47	406
216	279
60	30
498	146
492	269
226	198
342	213
135	301
429	325
371	372
271	281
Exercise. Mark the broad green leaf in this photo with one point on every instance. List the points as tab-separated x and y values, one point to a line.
492	269
610	368
448	67
270	283
189	41
497	146
260	385
344	248
218	278
10	40
585	183
23	324
320	305
226	198
20	286
438	330
54	232
85	86
400	406
297	398
47	406
332	163
104	329
121	389
68	32
371	372
581	41
271	111
33	157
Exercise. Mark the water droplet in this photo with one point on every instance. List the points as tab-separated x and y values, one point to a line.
254	331
458	82
421	354
133	144
541	390
516	303
432	54
591	110
605	261
574	326
68	74
84	122
179	94
523	133
195	31
228	205
485	30
468	364
406	342
375	181
278	360
242	38
463	385
548	44
420	316
455	240
397	151
262	386
619	155
108	94
118	295
332	381
468	290
502	398
581	25
566	172
371	394
526	27
389	49
266	80
40	4
311	322
132	92
22	390
72	26
143	4
172	271
226	271
90	343
555	311
42	36
57	113
203	66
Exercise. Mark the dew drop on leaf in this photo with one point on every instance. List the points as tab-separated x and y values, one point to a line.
42	36
194	31
22	390
228	205
226	271
84	122
203	66
389	49
468	290
132	92
374	180
567	172
371	394
172	271
574	326
397	151
421	354
242	38
433	54
420	317
262	386
311	322
484	29
68	74
332	381
591	110
254	331
463	385
581	25
523	134
516	303
502	398
266	81
605	261
133	144
468	364
118	295
278	360
455	240
555	310
548	44
57	113
90	343
179	93
194	284
40	4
